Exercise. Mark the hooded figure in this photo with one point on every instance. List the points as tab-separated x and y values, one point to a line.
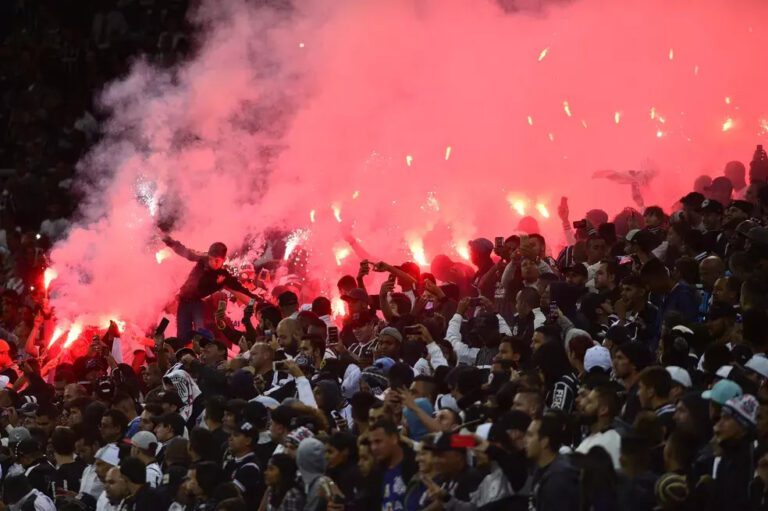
310	459
186	388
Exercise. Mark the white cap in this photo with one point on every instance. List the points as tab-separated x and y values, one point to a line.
483	430
759	364
597	356
109	454
680	375
270	402
631	235
724	372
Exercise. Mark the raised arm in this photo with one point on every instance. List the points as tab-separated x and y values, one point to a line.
183	251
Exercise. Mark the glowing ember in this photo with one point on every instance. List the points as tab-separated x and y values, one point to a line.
338	307
162	254
543	53
542	209
567	108
727	100
74	332
432	202
293	240
447	153
416	247
463	251
530	120
408	160
617	117
659	133
301	45
653	112
57	332
763	126
341	253
355	194
728	124
312	216
336	211
584	123
551	136
48	276
671	54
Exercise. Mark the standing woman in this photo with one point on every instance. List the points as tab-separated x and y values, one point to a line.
283	493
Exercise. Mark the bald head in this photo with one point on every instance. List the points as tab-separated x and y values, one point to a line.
5	354
710	269
289	334
262	356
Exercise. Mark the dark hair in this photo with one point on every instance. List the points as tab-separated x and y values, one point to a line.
531	297
552	427
175	421
389	427
550	333
209	475
653	268
321	306
606	396
684	446
655	211
16	487
214	408
688	269
552	360
119	420
202	442
63	440
694	240
361	404
753	328
272	314
134	470
230	503
537	236
346	281
87	432
81	403
657	378
521	347
94	412
286	465
633	280
48	410
316	342
579	345
342	440
402	302
595	237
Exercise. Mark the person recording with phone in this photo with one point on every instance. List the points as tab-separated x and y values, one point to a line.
207	276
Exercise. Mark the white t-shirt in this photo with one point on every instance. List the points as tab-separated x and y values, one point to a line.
608	440
154	475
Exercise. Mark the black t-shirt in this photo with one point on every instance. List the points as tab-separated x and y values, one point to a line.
68	476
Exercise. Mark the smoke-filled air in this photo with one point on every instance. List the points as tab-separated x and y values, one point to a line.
402	125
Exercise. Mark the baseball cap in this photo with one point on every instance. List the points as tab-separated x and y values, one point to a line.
597	356
712	206
217	249
27	446
256	413
16	435
109	454
392	332
672	490
617	334
743	409
357	294
578	269
287	298
758	364
722	391
482	245
297	435
720	310
680	376
144	440
205	342
204	333
384	363
743	205
724	372
105	388
693	199
512	420
444	443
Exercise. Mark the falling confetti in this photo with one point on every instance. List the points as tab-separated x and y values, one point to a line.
162	254
659	133
567	108
336	212
355	194
447	153
653	112
530	120
312	216
728	124
617	117
551	137
543	53
408	160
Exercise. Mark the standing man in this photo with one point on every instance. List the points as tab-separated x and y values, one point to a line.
555	480
207	277
396	464
243	469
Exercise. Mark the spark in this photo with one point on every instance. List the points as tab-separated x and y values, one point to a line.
659	133
107	320
551	136
696	70
38	236
336	211
355	194
517	204
463	251
727	100
341	253
145	192
432	202
543	53
338	307
312	216
301	45
567	108
671	54
408	159
584	123
530	120
728	124
162	254
74	332
542	209
293	240
416	246
447	153
57	332
662	120
653	112
617	117
48	276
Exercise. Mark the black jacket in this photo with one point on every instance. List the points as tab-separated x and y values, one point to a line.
409	468
734	475
348	478
556	486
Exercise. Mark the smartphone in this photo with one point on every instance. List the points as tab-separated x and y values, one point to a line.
333	335
160	330
412	330
552	316
499	242
580	224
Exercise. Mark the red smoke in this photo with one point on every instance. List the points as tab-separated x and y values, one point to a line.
413	125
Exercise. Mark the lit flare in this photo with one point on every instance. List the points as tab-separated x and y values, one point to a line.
48	276
74	332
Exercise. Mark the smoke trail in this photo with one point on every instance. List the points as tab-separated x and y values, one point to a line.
337	117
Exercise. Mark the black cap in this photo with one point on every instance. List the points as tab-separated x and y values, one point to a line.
712	206
247	428
27	446
170	397
443	443
221	344
618	335
578	269
693	200
217	249
287	298
744	206
256	413
357	294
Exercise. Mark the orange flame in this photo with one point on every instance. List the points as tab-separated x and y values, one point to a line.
48	276
416	246
57	332
338	307
542	209
341	253
728	124
74	332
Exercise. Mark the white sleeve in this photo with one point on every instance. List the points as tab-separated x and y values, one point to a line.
503	326
436	357
306	395
464	354
508	275
351	382
44	503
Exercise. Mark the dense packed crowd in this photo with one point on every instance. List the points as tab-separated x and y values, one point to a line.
628	372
